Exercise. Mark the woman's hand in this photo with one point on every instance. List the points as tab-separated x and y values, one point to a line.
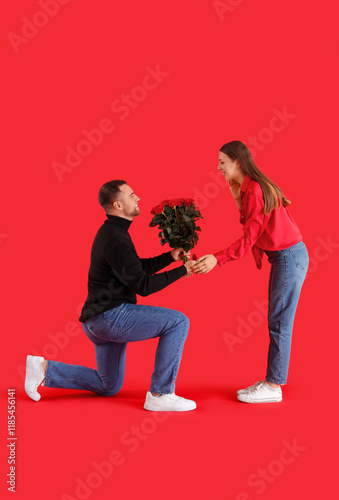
205	264
179	254
234	188
235	191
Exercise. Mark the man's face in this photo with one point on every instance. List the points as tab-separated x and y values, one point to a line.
128	202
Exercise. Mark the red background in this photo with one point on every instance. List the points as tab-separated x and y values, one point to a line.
225	79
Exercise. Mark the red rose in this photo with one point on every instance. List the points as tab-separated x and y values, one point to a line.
158	209
174	202
188	201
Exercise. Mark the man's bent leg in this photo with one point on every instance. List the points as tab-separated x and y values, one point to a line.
168	354
67	376
107	380
134	323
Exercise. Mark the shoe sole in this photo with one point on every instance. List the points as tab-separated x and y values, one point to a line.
150	407
260	400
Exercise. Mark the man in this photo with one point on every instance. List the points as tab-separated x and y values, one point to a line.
111	318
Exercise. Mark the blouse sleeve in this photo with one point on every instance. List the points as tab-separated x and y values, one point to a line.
254	223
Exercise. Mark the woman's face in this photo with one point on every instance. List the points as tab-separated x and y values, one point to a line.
227	166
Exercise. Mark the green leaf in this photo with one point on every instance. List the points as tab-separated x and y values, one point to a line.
168	210
187	218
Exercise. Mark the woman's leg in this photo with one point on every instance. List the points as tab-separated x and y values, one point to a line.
288	272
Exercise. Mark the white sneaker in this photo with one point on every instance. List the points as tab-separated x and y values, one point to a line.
35	376
168	402
261	393
242	391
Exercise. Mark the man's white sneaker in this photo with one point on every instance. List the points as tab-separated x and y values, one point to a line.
35	376
242	391
262	393
168	402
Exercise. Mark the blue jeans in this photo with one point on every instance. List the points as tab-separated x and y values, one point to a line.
110	332
288	272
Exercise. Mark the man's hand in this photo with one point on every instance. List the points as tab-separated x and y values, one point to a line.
205	264
189	266
179	254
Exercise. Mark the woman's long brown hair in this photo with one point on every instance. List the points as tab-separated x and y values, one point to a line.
273	195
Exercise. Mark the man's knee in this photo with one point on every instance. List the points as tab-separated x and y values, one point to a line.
111	390
183	320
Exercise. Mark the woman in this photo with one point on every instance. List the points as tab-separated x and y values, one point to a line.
268	227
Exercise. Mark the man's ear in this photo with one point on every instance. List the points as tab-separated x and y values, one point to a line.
116	205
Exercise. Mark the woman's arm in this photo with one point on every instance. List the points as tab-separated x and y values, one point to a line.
255	223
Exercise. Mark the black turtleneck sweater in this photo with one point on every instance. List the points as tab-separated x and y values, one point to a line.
117	274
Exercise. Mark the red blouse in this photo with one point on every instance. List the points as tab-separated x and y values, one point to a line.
275	231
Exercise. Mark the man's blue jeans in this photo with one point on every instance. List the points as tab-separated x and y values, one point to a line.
110	332
288	272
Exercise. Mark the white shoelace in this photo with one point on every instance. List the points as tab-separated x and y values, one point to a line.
258	388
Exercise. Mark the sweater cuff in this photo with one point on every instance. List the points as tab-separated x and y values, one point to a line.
168	257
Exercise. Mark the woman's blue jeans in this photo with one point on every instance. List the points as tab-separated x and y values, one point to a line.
110	332
288	272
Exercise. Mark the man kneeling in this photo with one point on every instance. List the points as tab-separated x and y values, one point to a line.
111	317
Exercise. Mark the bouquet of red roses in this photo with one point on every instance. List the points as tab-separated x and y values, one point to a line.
176	219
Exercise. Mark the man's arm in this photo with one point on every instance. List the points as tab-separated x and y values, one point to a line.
127	268
155	264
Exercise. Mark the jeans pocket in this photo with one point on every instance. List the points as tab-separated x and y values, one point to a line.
300	256
95	320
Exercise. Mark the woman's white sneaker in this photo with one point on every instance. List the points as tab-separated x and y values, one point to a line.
242	391
262	393
168	402
35	376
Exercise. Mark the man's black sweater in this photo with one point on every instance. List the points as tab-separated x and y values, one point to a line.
116	272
